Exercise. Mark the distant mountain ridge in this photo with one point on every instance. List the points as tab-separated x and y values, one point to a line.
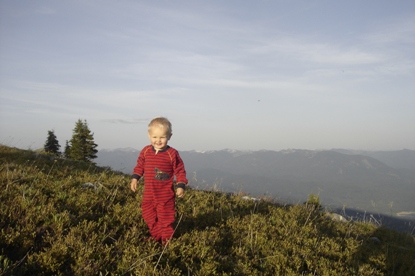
381	182
399	159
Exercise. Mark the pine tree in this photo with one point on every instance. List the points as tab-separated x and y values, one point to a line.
67	150
82	146
52	145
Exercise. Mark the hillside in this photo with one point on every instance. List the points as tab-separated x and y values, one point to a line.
60	217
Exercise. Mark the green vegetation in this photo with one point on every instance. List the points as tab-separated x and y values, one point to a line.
52	144
65	217
82	146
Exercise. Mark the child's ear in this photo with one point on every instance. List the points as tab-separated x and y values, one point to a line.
171	134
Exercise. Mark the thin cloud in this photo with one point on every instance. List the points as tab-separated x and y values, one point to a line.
307	50
128	122
399	32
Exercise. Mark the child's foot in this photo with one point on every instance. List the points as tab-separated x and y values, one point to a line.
165	243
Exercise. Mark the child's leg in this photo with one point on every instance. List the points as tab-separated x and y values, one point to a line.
166	214
149	213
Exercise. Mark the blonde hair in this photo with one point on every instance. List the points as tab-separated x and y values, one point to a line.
161	122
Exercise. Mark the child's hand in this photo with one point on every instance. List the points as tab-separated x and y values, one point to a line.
180	192
133	184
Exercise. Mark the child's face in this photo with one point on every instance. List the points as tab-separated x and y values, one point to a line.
158	138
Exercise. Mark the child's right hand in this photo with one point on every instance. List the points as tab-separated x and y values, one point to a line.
133	184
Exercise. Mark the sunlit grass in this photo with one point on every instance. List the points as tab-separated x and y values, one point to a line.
53	224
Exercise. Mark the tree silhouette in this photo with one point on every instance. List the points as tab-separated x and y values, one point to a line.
67	150
52	145
82	146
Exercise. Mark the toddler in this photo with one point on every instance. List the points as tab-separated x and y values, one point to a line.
159	164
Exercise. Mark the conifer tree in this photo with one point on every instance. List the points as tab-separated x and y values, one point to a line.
82	146
52	145
67	150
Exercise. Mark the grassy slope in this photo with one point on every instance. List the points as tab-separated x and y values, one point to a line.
51	225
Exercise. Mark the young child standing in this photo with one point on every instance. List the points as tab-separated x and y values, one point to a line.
159	164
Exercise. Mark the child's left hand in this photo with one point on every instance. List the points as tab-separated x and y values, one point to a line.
180	192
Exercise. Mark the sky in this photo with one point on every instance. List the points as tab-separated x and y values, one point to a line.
243	75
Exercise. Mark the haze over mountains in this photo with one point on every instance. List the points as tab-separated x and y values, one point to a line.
379	182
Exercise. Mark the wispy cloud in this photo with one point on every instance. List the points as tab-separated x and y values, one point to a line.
127	121
401	31
307	49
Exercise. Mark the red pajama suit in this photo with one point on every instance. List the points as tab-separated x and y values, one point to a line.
158	205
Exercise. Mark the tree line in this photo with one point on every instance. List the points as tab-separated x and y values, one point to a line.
81	146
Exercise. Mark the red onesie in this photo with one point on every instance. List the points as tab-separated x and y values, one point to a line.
158	205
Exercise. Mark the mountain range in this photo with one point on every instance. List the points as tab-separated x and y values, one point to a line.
381	182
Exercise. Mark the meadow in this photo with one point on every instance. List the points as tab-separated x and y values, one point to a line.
62	217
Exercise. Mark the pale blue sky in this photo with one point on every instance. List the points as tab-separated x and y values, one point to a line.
245	75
